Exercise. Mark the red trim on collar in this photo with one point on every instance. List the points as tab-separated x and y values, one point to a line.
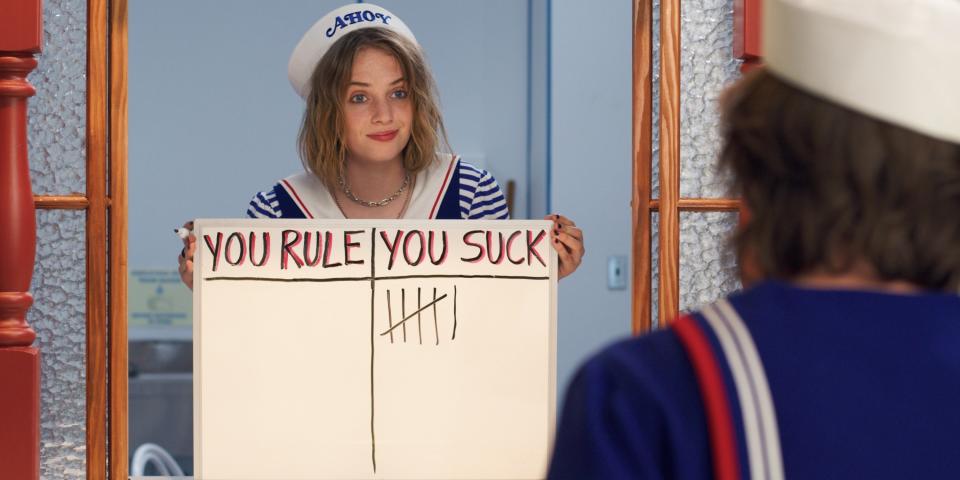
443	188
297	198
723	441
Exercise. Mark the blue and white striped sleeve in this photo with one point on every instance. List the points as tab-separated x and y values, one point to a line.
480	195
264	205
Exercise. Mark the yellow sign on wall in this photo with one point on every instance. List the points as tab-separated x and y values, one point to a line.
157	298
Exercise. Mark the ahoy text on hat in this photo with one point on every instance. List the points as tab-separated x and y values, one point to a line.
333	26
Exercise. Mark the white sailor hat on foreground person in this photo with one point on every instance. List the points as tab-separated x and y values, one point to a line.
329	29
895	60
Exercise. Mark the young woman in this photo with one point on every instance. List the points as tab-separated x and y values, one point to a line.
372	140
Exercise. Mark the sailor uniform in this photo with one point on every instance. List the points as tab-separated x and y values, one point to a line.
775	382
447	189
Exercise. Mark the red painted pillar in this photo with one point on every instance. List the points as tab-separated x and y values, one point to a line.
20	39
747	41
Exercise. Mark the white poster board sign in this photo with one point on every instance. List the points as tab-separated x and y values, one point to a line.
373	349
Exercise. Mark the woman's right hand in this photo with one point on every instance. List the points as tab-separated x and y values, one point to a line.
185	259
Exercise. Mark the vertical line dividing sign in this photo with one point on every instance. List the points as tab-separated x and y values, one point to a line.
373	290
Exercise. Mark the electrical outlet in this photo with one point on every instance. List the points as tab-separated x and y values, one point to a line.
617	272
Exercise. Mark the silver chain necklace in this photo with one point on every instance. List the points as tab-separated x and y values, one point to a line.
365	203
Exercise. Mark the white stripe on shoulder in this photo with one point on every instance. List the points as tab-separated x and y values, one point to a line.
470	169
760	451
271	197
487	209
253	212
467	190
768	418
748	408
259	201
260	208
468	183
486	195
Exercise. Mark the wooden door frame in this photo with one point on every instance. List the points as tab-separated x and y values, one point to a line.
105	204
669	204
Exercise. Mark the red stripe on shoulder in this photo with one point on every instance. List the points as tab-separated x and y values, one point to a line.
723	441
443	188
296	197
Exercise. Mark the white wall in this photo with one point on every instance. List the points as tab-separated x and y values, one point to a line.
591	98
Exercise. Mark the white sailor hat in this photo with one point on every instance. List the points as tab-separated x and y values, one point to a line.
334	25
895	60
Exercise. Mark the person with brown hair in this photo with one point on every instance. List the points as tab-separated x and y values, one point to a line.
841	358
372	140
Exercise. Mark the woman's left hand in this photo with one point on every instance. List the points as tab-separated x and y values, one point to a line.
568	242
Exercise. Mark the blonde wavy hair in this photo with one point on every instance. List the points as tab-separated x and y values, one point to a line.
320	143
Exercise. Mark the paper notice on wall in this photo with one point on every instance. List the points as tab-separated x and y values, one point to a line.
157	298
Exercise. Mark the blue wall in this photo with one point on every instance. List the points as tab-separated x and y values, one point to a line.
591	125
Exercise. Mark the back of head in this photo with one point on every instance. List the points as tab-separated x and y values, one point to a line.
837	177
